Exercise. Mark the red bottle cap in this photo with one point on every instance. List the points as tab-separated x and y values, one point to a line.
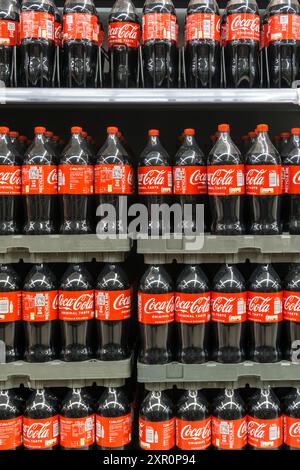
76	130
295	130
262	128
112	130
223	128
49	134
284	135
4	130
14	134
153	132
39	130
252	134
189	132
22	138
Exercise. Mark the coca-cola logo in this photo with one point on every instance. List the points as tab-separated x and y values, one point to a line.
199	305
122	302
198	177
296	178
218	24
255	177
52	177
130	177
292	303
190	432
239	23
242	431
80	303
257	430
154	305
38	430
223	304
260	304
153	178
125	31
221	177
11	178
294	430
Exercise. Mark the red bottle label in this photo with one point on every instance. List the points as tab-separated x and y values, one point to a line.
75	179
155	180
263	180
291	306
283	27
265	433
242	26
39	179
40	306
265	307
41	433
124	33
113	305
10	306
80	26
228	307
8	33
160	26
226	180
291	431
156	435
291	179
190	179
193	435
58	34
113	432
10	180
36	24
229	434
76	305
263	36
77	432
11	433
100	37
202	26
156	309
113	179
192	308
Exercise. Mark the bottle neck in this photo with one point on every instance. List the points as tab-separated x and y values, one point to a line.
153	140
189	140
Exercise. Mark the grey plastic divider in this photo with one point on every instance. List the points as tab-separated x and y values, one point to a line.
215	375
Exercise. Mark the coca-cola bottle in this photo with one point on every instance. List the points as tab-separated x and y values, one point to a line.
10	313
291	420
156	422
265	314
193	421
283	44
229	421
160	44
284	140
226	185
80	44
76	185
40	312
228	314
265	423
190	179
10	183
77	421
192	315
39	186
113	181
156	315
291	170
41	421
76	313
291	312
113	305
264	185
155	180
202	44
23	141
113	420
9	29
37	45
11	421
242	44
124	33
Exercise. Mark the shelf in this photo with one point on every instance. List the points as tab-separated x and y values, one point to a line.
215	375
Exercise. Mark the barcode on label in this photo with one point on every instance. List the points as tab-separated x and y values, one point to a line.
55	429
49	26
69	19
101	299
33	173
277	306
272	178
149	435
39	300
273	432
206	28
169	179
178	175
4	306
117	173
224	428
173	30
284	19
240	178
11	26
89	424
241	307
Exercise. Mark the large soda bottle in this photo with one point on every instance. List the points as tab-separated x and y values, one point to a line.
155	180
11	421
190	178
228	314
80	44
193	421
291	311
156	315
77	421
156	422
226	185
76	185
76	312
113	179
264	185
113	305
10	184
229	421
124	34
202	44
40	312
37	43
242	44
291	420
291	170
39	186
160	44
192	315
283	42
41	421
113	420
9	30
265	423
265	314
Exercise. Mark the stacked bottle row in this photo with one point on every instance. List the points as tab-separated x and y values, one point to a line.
256	50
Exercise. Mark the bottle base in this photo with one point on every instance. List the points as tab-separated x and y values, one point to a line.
265	355
39	354
266	229
192	356
156	356
75	228
111	353
39	228
76	353
229	356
